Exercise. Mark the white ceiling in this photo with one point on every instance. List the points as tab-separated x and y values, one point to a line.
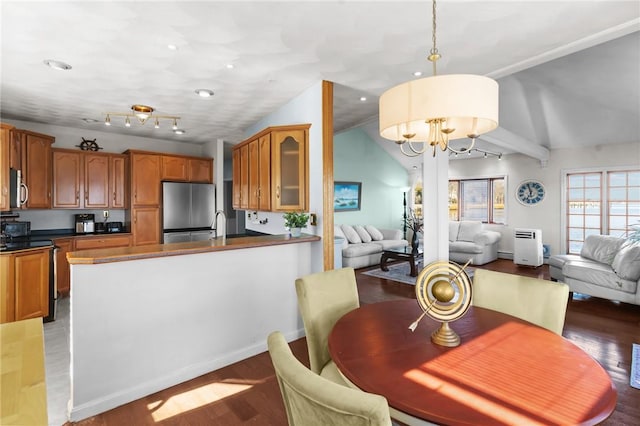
550	96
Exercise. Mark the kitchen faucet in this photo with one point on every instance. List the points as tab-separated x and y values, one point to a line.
214	225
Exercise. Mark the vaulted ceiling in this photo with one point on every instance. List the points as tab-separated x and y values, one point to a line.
569	71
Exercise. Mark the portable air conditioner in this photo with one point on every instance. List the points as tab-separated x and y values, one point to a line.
527	247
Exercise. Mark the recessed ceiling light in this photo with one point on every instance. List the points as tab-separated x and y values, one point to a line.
417	73
362	98
204	93
230	66
179	131
172	47
57	65
89	120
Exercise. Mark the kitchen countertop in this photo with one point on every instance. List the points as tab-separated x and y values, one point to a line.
109	255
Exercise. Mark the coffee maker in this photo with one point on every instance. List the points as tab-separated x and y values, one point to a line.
85	223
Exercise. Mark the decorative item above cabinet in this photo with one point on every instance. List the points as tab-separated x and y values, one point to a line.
271	170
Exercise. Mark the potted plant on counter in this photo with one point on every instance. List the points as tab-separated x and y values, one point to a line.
295	222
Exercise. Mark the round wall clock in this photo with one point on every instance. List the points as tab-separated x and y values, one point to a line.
530	192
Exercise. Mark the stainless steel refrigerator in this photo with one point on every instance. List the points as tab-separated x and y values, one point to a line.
188	210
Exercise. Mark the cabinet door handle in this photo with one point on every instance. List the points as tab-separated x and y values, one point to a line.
114	196
278	191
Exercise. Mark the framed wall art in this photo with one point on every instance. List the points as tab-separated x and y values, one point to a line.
347	196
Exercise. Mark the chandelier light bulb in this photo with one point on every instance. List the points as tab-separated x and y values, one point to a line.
175	125
157	124
107	121
127	122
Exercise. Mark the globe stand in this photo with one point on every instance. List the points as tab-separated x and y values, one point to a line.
443	291
445	336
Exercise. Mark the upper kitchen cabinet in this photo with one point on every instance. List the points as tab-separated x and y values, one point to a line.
145	178
118	181
201	170
5	137
67	178
34	150
289	168
87	179
176	168
270	172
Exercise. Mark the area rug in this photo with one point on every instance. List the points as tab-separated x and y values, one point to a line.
634	381
400	272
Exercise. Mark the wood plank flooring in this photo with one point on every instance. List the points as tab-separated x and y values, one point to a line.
246	393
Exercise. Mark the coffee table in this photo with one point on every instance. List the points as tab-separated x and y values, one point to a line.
402	253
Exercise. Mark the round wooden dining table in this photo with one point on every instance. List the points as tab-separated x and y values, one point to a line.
506	371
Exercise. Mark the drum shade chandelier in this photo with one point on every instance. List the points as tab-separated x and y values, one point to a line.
142	113
438	109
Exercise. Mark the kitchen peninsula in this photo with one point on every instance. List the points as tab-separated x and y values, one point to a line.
145	318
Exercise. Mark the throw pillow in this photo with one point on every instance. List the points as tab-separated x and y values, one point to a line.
626	264
468	230
351	234
364	235
601	248
376	235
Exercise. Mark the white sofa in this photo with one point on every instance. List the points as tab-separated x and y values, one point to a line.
469	240
607	267
363	244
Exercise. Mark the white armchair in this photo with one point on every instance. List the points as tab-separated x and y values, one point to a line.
469	240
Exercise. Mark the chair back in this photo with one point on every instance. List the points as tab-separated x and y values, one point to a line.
541	302
311	400
323	298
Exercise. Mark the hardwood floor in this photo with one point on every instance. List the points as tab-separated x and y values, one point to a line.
247	392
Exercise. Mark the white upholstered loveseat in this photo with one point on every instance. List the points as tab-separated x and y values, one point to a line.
363	244
607	267
469	240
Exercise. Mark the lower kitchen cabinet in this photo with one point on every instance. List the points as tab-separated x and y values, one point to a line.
24	282
103	241
145	225
63	273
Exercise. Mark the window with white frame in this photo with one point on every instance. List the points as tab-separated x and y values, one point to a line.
600	202
477	199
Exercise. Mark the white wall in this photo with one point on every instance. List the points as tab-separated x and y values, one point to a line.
546	214
141	326
304	108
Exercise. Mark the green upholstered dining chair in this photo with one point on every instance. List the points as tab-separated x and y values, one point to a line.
323	298
541	302
311	400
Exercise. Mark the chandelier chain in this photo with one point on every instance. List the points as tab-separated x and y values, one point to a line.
433	54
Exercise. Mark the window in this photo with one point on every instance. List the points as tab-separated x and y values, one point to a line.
600	202
477	199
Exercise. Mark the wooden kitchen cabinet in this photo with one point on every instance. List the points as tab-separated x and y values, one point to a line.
260	174
102	241
67	178
88	180
201	170
36	165
289	172
145	179
24	282
145	225
236	172
174	168
5	137
96	181
118	182
63	272
270	170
